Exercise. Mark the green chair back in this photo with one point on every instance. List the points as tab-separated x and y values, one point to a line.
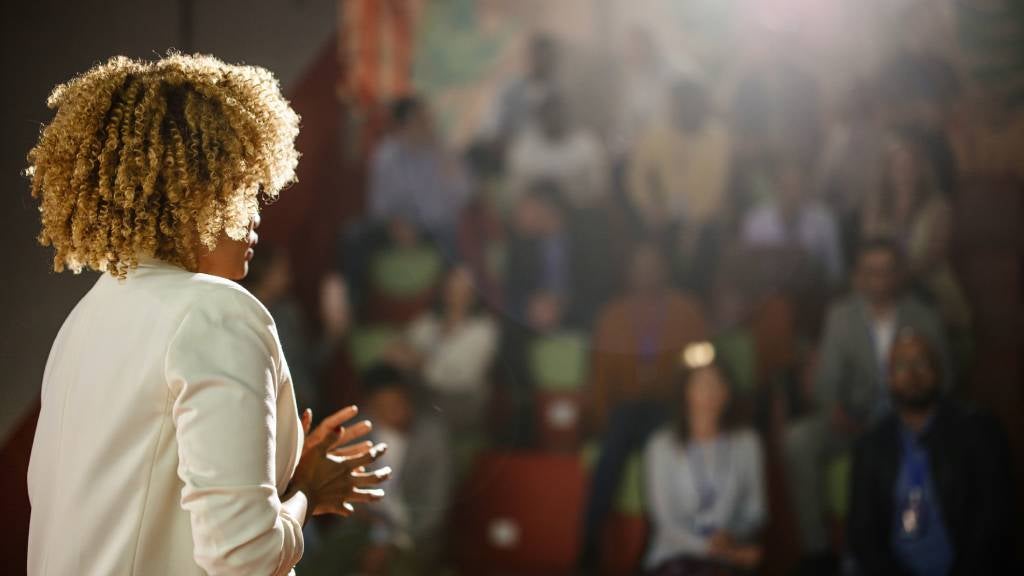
558	362
368	343
405	272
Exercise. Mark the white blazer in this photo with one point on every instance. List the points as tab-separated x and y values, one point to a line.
167	433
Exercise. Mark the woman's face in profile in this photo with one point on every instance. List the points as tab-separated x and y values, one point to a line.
230	258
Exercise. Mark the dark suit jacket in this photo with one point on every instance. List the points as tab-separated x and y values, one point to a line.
970	466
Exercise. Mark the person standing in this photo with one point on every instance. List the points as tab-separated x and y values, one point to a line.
168	437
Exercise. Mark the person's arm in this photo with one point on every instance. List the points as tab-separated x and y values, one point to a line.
832	250
868	527
381	188
990	525
830	371
222	368
659	477
752	507
641	170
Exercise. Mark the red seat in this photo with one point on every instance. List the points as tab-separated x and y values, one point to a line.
519	514
629	534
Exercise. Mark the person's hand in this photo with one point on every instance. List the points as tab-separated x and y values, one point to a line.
331	471
720	545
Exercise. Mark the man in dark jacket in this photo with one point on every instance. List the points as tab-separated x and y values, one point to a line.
931	487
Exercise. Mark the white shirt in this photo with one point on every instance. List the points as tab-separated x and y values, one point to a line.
456	361
575	163
167	433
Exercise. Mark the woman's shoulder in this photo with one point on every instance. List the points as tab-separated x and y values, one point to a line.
746	441
221	298
662	441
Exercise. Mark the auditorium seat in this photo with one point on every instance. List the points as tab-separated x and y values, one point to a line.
368	343
558	365
519	513
403	282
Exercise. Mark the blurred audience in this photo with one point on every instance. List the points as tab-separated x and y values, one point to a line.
850	390
931	484
704	479
635	349
679	167
643	90
541	282
517	101
554	148
452	347
406	528
414	180
792	218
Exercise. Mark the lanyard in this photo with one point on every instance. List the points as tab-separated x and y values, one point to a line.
707	488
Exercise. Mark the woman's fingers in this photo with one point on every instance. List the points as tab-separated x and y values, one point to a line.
330	425
353	433
353	450
364	459
363	495
366	479
307	421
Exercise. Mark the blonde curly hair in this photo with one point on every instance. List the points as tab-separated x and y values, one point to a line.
156	159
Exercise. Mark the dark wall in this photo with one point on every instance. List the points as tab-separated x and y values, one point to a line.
46	42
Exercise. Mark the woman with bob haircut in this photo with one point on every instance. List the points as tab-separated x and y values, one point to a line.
704	478
169	441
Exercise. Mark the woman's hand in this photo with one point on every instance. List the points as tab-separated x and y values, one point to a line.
332	469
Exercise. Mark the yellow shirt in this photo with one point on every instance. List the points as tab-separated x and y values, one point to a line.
680	176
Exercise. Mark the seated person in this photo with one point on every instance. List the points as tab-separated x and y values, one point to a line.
791	218
931	485
452	348
416	191
554	149
406	529
850	385
635	355
414	178
540	285
678	170
704	479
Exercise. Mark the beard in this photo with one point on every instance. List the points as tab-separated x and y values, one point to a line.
917	400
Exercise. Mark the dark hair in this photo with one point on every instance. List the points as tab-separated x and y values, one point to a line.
728	420
382	376
403	108
881	244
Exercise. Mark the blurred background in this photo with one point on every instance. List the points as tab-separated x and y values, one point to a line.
512	218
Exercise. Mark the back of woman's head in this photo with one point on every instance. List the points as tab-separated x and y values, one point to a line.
158	159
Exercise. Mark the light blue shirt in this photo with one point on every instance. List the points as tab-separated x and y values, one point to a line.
731	466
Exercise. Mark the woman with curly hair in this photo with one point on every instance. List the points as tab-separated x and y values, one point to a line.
169	441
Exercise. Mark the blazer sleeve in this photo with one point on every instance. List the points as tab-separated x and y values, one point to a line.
222	367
